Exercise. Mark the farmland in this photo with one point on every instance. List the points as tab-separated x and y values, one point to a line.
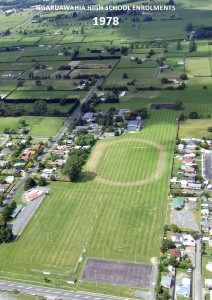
78	207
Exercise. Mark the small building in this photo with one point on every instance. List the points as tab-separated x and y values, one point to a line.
195	186
178	203
123	112
175	253
16	211
71	280
184	288
36	146
166	281
208	283
9	179
134	125
89	117
3	188
122	94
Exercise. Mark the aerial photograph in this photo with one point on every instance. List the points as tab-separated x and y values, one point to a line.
105	149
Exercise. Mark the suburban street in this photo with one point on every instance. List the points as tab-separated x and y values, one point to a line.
53	293
197	291
75	115
207	165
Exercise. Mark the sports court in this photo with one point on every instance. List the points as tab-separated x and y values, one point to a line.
117	273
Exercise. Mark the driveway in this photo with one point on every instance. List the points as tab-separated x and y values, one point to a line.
27	212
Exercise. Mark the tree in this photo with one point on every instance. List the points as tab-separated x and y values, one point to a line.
50	88
85	107
29	183
181	117
192	46
189	27
210	129
168	244
22	122
183	76
125	76
178	105
164	80
193	115
173	262
174	228
40	107
41	181
72	167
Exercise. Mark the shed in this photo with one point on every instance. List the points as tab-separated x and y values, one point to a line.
71	280
166	281
16	210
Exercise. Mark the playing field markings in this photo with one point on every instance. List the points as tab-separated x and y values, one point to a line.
99	150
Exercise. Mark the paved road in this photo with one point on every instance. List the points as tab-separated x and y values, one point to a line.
28	20
53	293
197	291
207	165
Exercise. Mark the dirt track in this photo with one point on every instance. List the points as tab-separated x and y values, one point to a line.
99	151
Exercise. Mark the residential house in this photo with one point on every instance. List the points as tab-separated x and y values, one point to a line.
184	288
175	253
9	179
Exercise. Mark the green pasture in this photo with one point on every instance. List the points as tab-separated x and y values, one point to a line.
198	66
14	66
195	128
41	126
133	73
59	85
45	95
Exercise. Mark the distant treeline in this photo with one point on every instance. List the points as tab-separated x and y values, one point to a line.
33	100
204	32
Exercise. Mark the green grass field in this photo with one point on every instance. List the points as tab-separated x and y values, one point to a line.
109	221
195	128
41	126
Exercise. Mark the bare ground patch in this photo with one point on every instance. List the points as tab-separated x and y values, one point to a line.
99	150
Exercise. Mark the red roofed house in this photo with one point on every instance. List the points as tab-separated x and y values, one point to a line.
61	152
36	146
190	170
175	253
29	152
188	160
25	158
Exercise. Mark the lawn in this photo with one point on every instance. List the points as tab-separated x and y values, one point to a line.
195	128
41	126
116	155
117	222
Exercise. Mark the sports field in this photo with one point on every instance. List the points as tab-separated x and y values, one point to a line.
116	222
